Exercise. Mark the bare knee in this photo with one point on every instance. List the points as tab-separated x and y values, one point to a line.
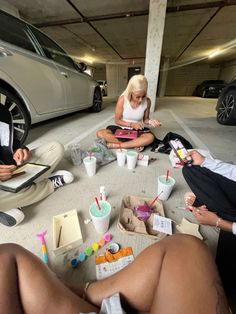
10	249
100	133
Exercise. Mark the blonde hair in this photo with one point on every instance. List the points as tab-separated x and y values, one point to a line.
136	83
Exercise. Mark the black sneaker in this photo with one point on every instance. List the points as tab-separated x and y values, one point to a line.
11	217
60	178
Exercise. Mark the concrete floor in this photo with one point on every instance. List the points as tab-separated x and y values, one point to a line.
192	117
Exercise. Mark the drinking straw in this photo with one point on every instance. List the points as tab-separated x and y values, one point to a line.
167	175
96	199
120	147
154	200
90	154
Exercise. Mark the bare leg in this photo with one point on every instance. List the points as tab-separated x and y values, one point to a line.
176	275
108	136
28	286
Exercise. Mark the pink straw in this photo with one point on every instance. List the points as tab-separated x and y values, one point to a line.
90	154
167	175
120	147
154	200
96	199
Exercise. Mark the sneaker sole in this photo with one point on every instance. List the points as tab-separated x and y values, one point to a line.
7	220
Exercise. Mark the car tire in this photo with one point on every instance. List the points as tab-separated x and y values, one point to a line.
97	101
227	110
20	117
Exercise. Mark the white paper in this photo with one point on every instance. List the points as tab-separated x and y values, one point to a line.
162	224
107	269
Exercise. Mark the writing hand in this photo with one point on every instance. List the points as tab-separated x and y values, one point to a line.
137	125
204	216
21	155
6	172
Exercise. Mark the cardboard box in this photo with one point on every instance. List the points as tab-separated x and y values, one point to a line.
66	232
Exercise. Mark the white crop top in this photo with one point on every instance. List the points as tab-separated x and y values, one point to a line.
131	114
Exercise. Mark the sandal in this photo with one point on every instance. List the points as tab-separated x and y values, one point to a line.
189	198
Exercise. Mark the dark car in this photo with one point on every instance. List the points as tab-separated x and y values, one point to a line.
209	89
226	105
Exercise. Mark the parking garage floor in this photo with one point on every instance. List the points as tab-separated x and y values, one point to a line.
192	117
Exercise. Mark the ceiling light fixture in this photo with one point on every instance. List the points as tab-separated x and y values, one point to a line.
214	54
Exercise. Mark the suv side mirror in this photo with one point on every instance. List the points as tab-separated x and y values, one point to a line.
82	66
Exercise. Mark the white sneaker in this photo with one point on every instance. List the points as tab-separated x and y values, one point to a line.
11	217
60	178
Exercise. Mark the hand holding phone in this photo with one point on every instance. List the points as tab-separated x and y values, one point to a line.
180	151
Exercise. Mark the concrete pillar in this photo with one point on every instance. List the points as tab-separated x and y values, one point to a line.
163	77
156	23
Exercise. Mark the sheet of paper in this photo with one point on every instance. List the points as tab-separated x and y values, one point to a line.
107	269
162	224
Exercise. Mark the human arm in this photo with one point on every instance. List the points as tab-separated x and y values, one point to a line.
21	155
6	172
225	169
206	217
119	113
152	122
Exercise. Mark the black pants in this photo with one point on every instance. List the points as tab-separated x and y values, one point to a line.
213	190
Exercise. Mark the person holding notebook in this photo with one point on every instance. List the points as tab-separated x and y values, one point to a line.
131	113
13	154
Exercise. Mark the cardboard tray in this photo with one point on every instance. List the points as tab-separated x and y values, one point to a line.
131	225
66	232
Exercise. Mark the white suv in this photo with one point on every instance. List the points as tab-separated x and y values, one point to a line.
38	80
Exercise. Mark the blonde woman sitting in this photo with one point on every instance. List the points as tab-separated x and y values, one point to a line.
132	113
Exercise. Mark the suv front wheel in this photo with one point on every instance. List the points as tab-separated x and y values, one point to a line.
97	101
20	117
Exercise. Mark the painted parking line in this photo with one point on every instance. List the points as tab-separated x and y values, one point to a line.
196	140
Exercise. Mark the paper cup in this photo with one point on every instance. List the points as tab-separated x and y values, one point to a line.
121	157
75	153
165	188
132	157
90	165
100	217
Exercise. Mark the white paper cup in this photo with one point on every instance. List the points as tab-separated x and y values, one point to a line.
90	165
132	157
100	217
75	153
121	157
165	188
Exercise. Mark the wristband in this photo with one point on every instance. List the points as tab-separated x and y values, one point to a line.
218	223
234	228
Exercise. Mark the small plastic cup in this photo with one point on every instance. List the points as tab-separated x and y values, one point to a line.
100	217
90	165
132	157
75	153
121	157
164	188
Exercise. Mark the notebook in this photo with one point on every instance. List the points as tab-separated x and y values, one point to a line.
124	133
23	176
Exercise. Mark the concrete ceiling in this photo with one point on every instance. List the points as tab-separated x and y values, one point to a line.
115	31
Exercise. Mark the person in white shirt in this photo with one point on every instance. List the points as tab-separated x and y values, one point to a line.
213	197
132	113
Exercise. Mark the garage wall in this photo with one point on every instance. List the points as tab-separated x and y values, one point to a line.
182	81
5	6
228	71
117	77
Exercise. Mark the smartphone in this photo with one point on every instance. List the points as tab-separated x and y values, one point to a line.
180	151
